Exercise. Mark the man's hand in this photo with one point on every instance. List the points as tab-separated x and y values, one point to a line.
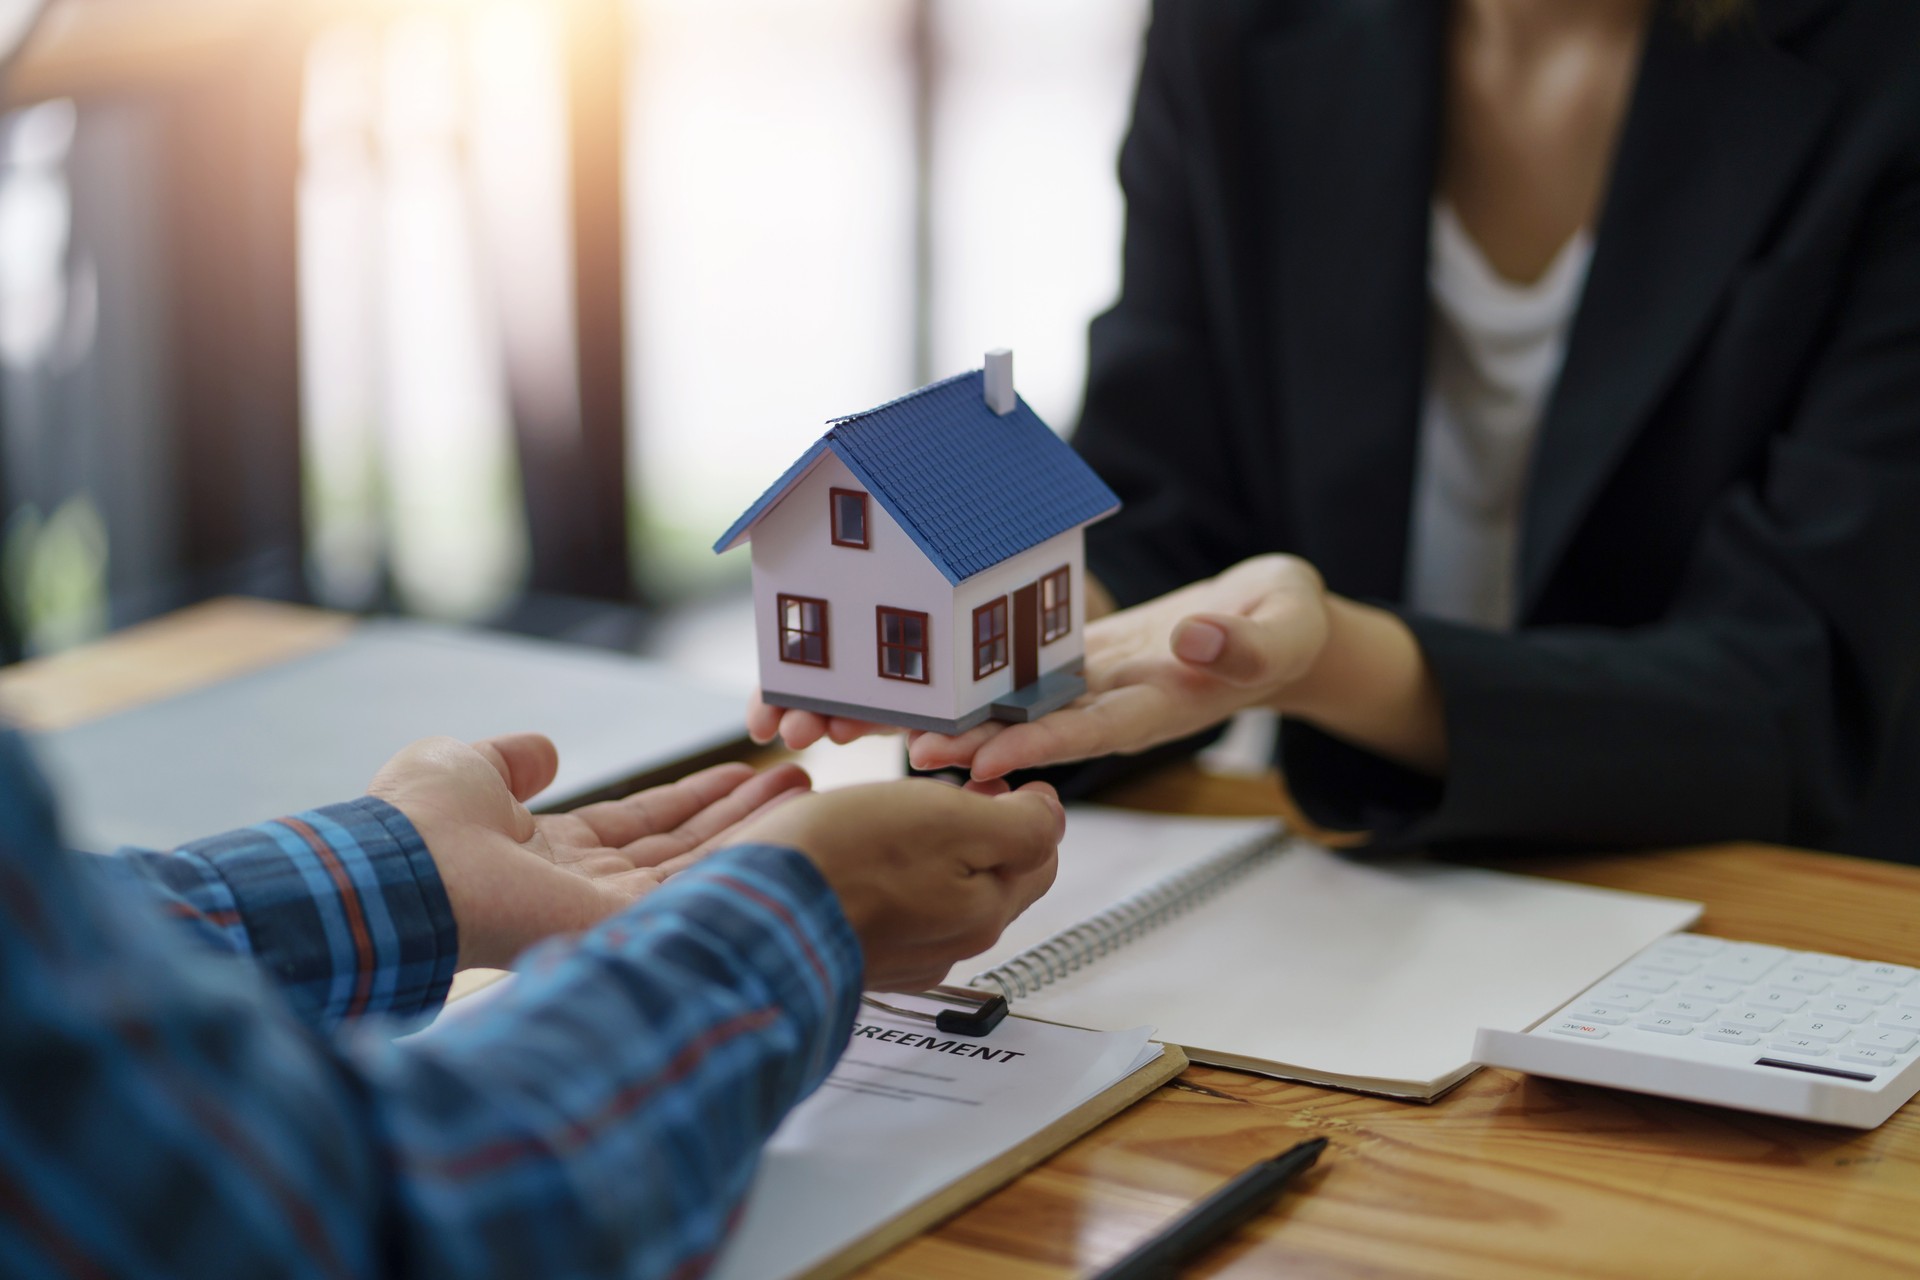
514	879
928	874
1164	670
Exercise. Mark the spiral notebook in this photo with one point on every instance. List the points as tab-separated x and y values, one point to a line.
1258	950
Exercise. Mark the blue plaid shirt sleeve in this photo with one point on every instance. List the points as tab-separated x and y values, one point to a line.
164	1110
342	906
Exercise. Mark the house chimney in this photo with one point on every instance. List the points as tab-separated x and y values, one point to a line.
999	381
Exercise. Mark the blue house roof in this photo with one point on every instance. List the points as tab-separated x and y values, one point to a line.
970	487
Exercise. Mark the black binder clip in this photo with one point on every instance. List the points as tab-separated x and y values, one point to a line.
975	1015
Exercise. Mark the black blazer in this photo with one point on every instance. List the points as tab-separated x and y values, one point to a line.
1720	554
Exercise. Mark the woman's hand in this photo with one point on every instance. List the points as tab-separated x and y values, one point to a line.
1164	670
514	879
801	729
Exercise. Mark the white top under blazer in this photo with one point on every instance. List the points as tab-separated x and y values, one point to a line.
1495	351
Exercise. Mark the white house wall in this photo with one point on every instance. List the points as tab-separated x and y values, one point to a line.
793	554
1004	579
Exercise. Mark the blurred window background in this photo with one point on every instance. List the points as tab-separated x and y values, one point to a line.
499	310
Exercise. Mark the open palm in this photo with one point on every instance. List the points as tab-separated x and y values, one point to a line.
514	879
1163	670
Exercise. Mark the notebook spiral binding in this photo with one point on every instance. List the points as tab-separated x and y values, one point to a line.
1046	963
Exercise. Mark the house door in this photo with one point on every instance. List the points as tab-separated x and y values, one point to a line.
1026	635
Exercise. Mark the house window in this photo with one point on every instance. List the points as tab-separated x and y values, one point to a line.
989	638
903	644
1056	606
849	518
803	631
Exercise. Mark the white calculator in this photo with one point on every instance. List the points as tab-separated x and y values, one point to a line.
1789	1033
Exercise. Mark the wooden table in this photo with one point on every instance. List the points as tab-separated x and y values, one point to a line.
1506	1177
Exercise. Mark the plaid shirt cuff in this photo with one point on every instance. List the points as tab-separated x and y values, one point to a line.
780	913
342	905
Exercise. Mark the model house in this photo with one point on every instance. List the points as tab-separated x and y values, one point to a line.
921	564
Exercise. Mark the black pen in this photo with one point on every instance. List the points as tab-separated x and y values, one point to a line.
1216	1217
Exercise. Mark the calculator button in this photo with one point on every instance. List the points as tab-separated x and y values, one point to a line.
1872	1057
1630	1000
1824	1029
1897	974
1800	1045
1743	962
1899	1019
1708	989
1752	1019
1871	992
1810	983
1730	1035
1692	944
1670	962
1891	1041
1784	1001
1665	1026
1690	1010
1815	962
1647	980
1852	1012
1599	1013
1585	1030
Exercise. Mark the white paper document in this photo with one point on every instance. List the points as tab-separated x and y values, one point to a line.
908	1111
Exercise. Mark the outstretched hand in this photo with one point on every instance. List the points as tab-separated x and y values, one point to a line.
928	874
514	879
1164	670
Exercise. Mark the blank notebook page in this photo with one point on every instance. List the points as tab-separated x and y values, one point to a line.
1322	967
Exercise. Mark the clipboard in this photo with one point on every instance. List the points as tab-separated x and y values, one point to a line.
914	1217
990	1177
